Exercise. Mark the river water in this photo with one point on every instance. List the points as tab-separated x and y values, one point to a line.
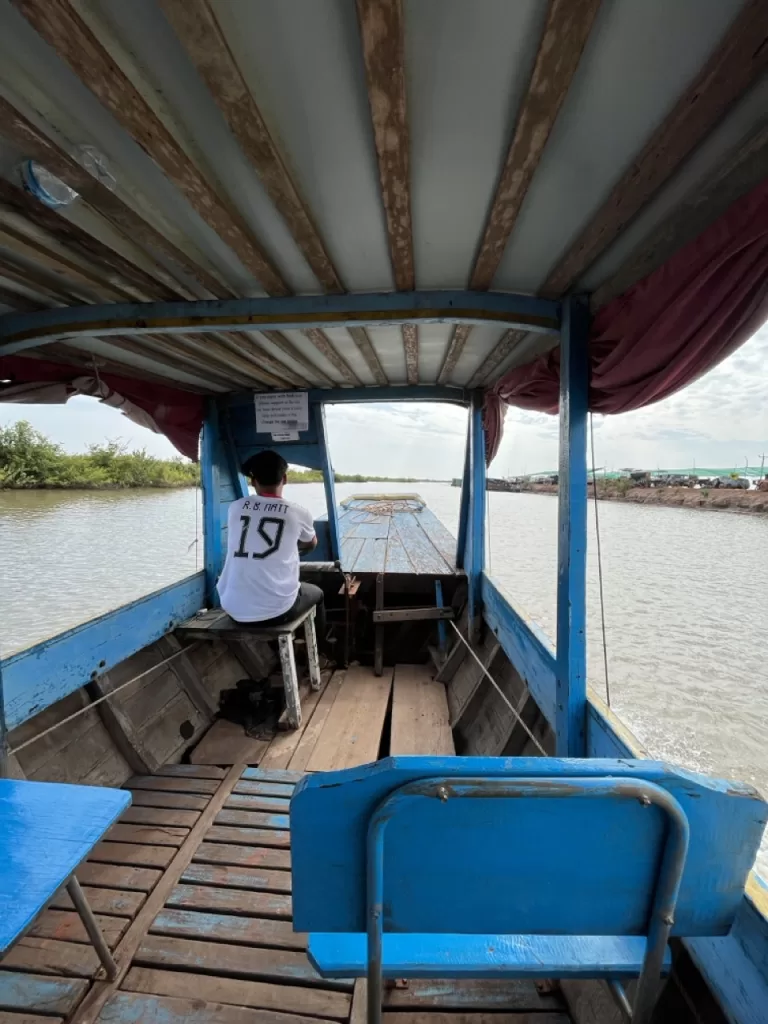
685	597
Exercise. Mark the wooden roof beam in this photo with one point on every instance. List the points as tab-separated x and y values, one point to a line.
382	35
735	65
197	27
562	43
37	146
62	28
737	62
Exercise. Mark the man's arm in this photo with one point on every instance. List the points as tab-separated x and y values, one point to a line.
307	535
308	545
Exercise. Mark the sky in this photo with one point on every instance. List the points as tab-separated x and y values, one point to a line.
716	422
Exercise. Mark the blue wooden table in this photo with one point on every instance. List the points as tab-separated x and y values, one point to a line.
394	534
47	830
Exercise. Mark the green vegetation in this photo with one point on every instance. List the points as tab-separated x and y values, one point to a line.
28	459
314	476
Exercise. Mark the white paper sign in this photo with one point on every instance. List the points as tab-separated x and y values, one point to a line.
282	414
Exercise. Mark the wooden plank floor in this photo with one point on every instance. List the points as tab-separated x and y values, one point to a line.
193	891
394	535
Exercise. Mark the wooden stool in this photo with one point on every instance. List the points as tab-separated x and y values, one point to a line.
216	624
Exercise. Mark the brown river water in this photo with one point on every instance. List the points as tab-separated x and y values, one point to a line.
685	596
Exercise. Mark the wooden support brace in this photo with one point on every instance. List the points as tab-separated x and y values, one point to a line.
310	636
290	680
412	614
121	729
378	654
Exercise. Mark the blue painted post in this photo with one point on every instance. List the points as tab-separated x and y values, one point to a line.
328	482
475	561
239	482
466	479
571	654
211	502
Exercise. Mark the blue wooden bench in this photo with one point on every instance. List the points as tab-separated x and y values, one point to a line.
459	867
47	830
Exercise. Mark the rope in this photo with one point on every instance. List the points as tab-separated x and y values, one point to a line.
117	689
385	508
599	561
498	688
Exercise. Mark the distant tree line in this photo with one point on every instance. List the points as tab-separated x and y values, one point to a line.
29	459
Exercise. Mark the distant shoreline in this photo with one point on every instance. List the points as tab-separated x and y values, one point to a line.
712	499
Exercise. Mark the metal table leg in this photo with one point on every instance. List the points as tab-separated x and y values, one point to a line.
94	932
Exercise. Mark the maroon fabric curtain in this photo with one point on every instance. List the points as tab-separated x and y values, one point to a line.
666	331
165	410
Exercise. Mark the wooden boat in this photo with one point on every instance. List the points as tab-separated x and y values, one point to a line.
231	216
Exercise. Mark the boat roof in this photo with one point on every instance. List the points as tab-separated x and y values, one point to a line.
295	147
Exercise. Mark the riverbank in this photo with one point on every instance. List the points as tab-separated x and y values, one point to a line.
713	499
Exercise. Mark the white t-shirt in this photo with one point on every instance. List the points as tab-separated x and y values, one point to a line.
261	574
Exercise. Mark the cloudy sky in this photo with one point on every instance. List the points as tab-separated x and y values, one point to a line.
716	422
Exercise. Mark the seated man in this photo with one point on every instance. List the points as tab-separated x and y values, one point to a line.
260	581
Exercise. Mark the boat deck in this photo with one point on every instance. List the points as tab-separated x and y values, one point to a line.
192	889
394	535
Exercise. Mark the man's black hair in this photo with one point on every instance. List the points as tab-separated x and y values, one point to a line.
267	468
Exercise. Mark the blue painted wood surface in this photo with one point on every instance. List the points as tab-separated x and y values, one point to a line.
46	830
345	955
29	992
39	676
526	646
585	868
466	485
571	647
376	539
328	482
300	311
474	560
210	469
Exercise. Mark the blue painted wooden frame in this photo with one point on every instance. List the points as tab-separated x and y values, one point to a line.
466	483
526	646
328	483
571	649
391	393
474	559
210	473
22	331
39	676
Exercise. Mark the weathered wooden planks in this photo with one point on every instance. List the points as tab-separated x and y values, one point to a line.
279	789
135	1008
252	819
253	879
263	774
314	727
159	816
50	956
192	771
470	996
248	931
419	714
230	901
241	802
118	876
423	555
204	787
102	901
227	743
352	732
229	959
29	992
170	835
254	994
67	926
174	801
248	836
284	745
242	856
27	1018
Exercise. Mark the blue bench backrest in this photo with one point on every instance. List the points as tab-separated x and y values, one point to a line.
544	865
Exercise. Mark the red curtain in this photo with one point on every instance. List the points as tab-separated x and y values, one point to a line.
165	410
666	331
